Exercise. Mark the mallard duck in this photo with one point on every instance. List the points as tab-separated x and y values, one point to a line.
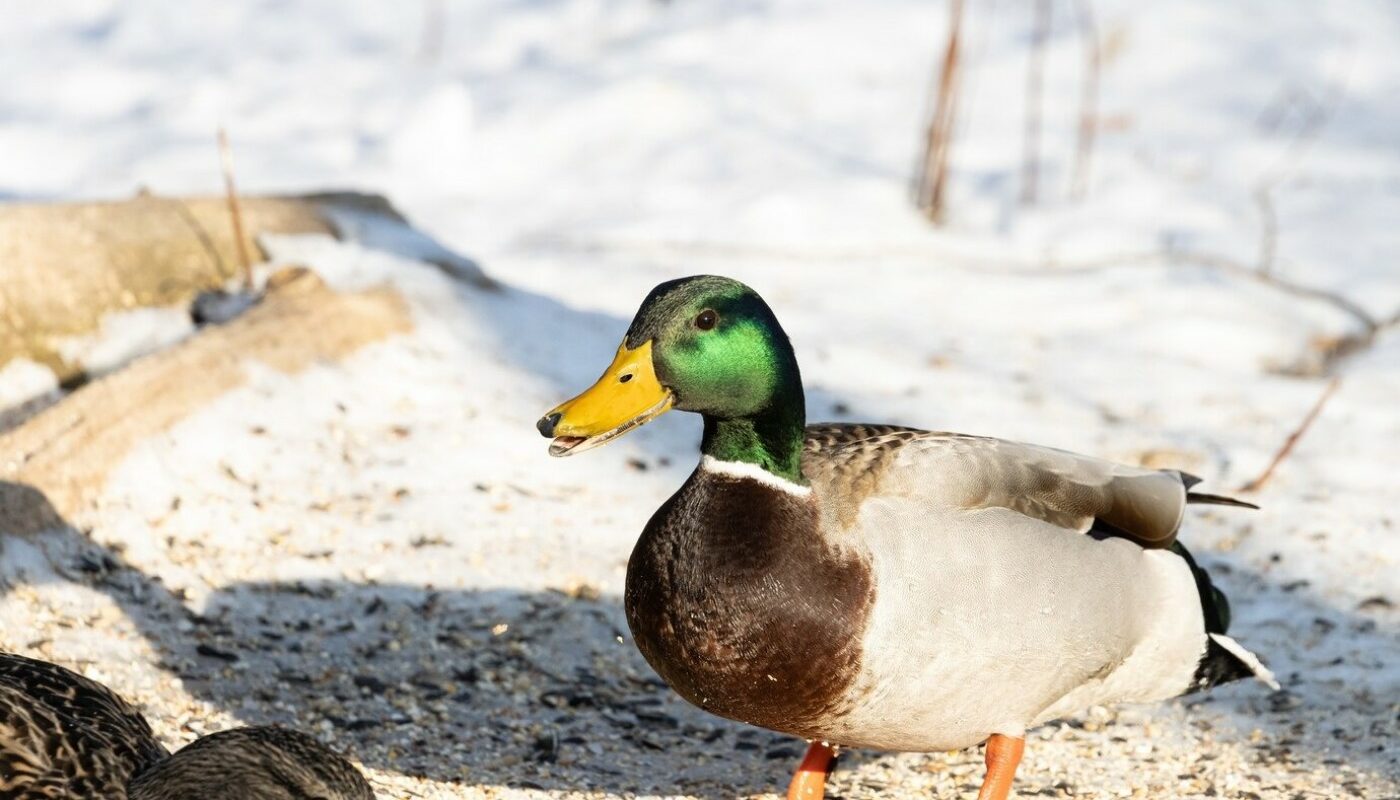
65	736
884	587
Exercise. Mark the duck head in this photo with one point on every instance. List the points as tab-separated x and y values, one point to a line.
705	344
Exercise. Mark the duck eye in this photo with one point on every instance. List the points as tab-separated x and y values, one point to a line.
707	320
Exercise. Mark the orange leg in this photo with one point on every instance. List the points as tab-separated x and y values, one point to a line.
1003	754
810	781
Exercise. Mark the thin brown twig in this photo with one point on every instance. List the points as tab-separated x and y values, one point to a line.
1317	116
200	233
1370	326
1035	82
931	193
1225	264
235	210
1288	444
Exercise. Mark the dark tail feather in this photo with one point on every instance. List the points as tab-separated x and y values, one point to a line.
1187	478
1217	500
1224	660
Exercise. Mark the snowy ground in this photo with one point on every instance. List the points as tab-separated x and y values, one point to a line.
381	551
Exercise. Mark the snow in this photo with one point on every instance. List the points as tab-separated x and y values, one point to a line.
123	335
582	151
22	380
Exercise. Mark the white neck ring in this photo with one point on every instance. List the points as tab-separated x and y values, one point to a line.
753	472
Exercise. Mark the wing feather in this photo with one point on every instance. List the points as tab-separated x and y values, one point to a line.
851	463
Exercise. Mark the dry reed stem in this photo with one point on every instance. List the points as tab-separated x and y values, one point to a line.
1292	440
235	210
933	175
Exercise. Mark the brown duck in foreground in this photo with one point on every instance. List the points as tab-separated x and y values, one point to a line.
65	736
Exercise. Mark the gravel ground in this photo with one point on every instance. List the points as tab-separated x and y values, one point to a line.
498	693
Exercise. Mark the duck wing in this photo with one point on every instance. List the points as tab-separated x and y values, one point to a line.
851	463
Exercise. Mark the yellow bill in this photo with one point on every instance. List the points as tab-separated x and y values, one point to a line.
626	397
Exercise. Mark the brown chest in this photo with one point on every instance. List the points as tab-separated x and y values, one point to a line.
736	600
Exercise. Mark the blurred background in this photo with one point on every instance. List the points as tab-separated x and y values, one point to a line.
266	408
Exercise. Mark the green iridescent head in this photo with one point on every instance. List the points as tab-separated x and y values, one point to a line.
715	344
705	344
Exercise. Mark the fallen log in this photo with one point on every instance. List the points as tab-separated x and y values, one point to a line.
66	266
65	452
